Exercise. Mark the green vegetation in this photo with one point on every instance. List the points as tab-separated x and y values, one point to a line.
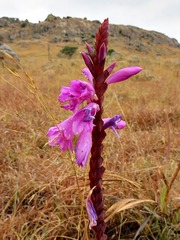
68	51
110	51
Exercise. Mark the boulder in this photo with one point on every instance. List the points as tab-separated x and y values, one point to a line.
6	49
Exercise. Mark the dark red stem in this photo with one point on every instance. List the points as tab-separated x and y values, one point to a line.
96	162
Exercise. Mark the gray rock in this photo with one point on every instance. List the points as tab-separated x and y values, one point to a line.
7	49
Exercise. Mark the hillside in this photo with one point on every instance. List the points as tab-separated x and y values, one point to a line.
78	30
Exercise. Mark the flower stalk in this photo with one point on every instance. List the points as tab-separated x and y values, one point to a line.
98	134
87	122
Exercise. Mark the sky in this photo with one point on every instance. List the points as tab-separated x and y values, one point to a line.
158	15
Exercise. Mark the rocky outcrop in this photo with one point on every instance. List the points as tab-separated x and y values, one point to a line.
80	30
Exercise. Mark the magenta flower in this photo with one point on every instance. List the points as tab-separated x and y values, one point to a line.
118	76
123	74
88	75
61	135
92	215
78	92
81	123
89	48
102	52
88	62
114	123
110	68
107	72
83	146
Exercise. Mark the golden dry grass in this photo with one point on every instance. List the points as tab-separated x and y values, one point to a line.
43	192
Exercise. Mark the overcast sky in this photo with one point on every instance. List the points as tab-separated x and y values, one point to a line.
159	15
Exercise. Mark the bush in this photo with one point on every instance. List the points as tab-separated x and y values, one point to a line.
24	23
110	51
69	51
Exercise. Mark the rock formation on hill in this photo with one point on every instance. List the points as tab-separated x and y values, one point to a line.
79	30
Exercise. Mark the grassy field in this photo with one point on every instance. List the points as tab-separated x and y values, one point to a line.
43	192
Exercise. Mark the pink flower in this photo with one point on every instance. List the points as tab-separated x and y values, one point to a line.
110	68
102	52
61	135
89	48
88	61
123	74
114	123
92	215
83	146
88	74
81	123
78	92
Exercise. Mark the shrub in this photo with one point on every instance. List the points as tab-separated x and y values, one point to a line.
110	51
69	51
24	23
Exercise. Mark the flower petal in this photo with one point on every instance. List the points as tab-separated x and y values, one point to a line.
120	124
61	135
114	123
108	122
91	210
123	74
78	92
53	135
110	68
84	117
83	125
88	62
102	52
83	147
89	48
88	74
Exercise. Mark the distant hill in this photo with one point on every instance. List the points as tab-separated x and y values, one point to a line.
77	30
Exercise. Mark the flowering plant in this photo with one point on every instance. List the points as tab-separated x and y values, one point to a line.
87	122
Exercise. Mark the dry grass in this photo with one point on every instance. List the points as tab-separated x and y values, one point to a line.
43	192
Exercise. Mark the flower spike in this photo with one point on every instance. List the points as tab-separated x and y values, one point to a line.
102	35
86	124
